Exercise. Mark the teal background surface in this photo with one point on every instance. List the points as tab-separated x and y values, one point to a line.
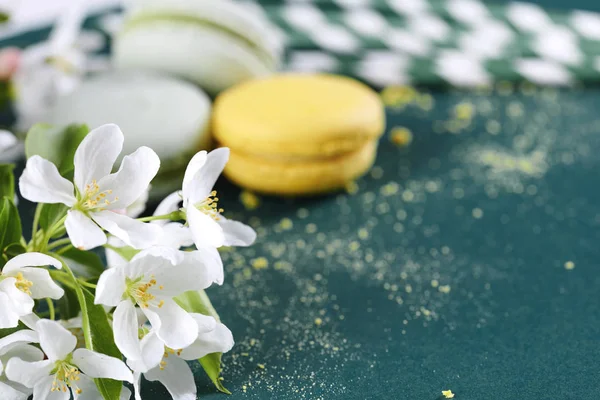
445	270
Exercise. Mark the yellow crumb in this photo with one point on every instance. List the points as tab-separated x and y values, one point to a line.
260	263
435	283
448	394
318	321
363	233
398	96
261	366
477	213
464	111
425	101
569	265
389	189
444	289
286	224
351	187
401	136
249	200
353	246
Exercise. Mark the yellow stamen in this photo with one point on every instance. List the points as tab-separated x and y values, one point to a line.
210	207
93	199
138	291
65	377
23	284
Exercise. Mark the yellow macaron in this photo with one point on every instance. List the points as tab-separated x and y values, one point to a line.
298	134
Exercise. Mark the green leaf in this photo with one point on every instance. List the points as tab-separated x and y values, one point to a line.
13	250
56	144
84	264
102	342
68	306
8	331
7	181
10	225
198	302
50	215
126	252
211	363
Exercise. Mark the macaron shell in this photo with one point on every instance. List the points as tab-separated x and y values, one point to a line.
299	177
298	115
164	113
208	57
235	17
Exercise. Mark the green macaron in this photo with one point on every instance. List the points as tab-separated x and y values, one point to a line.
167	114
215	44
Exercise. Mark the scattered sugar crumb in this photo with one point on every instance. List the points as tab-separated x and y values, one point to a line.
444	288
448	394
477	213
249	200
318	321
390	189
569	265
377	172
286	224
260	263
261	366
401	136
464	111
351	187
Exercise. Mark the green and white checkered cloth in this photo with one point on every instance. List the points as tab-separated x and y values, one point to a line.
436	42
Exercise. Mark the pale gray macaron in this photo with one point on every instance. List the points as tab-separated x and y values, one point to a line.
215	44
167	114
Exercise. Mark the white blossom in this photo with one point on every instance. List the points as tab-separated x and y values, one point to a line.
98	197
17	345
161	363
65	369
21	282
150	280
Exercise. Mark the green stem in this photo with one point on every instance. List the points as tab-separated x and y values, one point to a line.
64	249
85	319
36	220
174	216
84	283
58	243
50	308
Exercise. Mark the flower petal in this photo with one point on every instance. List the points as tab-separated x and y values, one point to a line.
176	235
43	285
22	336
110	287
83	232
96	155
175	327
125	329
89	390
168	205
8	392
203	181
177	377
211	261
132	178
41	183
56	341
28	373
43	390
96	365
219	340
195	164
125	394
22	303
134	233
137	380
30	320
8	317
158	255
205	323
191	273
25	352
113	258
153	350
136	208
236	233
32	259
205	230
